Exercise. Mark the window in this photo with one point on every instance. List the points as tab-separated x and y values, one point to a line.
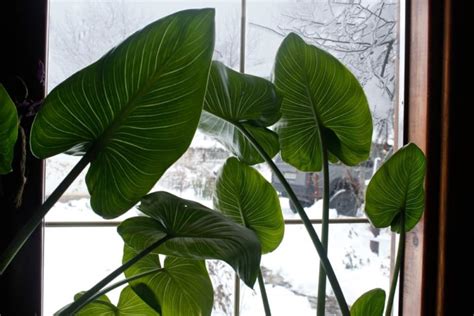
363	34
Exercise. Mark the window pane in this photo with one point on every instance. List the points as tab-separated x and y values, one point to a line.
222	277
75	259
80	33
364	36
360	259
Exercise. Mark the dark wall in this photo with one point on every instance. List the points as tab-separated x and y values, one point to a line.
22	59
459	225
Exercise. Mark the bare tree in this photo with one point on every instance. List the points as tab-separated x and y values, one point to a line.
360	33
227	48
80	34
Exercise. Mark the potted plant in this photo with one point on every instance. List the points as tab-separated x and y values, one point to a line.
133	113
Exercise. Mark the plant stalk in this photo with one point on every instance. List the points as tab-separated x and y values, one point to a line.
306	222
396	271
263	293
119	283
236	295
37	216
321	305
74	307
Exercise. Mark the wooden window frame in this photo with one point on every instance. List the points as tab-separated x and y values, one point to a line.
436	120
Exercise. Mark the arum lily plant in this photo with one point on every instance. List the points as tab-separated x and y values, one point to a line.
133	113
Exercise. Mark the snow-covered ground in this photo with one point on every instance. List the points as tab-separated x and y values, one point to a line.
76	258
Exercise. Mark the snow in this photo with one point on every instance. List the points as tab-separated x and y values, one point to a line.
291	271
202	141
349	252
76	258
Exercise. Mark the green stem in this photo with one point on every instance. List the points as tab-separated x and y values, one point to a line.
71	309
306	222
236	295
396	270
119	283
321	305
263	293
36	218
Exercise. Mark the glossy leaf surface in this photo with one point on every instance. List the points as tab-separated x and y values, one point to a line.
135	110
182	288
129	305
251	101
322	101
196	232
396	189
370	303
8	130
244	195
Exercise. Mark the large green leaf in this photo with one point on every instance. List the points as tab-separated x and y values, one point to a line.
129	304
370	303
251	101
182	288
99	307
248	199
322	100
196	232
396	189
8	130
135	109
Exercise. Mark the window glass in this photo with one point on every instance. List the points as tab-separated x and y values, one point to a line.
359	255
80	32
362	34
75	259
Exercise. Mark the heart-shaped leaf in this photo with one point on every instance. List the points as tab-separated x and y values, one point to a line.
196	232
129	304
370	303
182	288
244	195
99	307
396	189
251	101
8	130
135	110
322	101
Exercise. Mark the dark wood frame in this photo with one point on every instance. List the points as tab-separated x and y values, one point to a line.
438	33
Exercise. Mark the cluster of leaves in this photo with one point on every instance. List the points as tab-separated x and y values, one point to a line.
134	112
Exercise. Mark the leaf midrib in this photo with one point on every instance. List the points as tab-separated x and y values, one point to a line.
176	235
404	205
107	134
316	117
